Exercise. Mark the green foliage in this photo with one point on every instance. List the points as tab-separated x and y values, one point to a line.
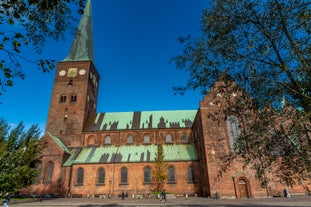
263	45
18	151
159	175
30	24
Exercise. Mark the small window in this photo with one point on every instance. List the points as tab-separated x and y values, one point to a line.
191	177
129	139
184	137
62	99
108	140
171	174
146	139
168	138
147	175
80	175
73	98
124	175
101	177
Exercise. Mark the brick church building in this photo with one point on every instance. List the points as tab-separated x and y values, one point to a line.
90	153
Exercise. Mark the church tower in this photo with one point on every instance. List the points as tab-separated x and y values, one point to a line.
75	90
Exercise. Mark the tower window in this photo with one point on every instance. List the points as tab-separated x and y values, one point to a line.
108	140
62	99
73	97
146	138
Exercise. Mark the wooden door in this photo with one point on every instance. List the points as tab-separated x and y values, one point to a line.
243	189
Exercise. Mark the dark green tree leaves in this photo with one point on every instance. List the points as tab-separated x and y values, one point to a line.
18	150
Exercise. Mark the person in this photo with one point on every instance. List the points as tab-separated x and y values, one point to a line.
6	200
122	195
287	193
163	196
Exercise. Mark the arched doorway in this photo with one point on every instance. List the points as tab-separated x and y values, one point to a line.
243	188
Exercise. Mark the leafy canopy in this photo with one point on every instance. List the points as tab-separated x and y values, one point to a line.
18	151
29	24
264	45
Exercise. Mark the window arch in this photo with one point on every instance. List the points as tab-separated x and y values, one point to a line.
129	139
147	175
191	177
234	129
146	138
184	137
101	177
108	140
39	169
50	169
80	176
171	174
168	138
73	97
124	175
62	98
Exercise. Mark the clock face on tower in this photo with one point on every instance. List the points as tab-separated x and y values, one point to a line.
72	72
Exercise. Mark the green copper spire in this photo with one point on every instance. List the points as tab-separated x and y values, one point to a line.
82	48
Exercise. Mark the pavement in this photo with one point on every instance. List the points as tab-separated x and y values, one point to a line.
297	201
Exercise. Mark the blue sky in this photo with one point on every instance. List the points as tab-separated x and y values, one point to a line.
134	41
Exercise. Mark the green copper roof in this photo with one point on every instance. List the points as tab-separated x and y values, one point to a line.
82	48
130	154
59	143
141	120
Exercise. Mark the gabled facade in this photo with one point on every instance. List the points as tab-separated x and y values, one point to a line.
86	153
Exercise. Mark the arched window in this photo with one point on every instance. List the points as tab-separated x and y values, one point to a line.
62	98
191	177
147	175
80	175
50	168
146	138
234	129
129	139
168	138
39	169
101	177
184	137
108	140
124	175
73	98
171	174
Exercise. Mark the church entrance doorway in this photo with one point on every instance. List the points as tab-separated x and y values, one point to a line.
243	188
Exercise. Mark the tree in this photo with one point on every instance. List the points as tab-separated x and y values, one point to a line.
29	24
265	47
159	175
18	151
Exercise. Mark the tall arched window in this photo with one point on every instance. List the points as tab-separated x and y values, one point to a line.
171	174
101	177
191	177
147	175
129	139
184	137
146	138
39	169
80	175
124	175
107	140
50	169
234	129
168	138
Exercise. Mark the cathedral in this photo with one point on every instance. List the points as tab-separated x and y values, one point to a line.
86	153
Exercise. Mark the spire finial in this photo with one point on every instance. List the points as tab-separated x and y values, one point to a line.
82	48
